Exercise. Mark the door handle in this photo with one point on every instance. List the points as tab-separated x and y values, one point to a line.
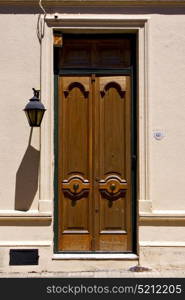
113	187
75	187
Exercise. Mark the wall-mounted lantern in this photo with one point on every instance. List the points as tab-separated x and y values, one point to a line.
35	110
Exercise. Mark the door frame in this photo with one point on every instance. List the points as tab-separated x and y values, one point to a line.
131	71
94	23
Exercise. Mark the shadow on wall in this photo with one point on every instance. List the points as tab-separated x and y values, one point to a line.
27	178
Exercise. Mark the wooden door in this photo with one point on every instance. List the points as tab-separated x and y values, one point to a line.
94	163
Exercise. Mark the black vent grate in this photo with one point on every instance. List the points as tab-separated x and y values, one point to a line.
23	257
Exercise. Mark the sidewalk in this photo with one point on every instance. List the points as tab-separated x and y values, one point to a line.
157	273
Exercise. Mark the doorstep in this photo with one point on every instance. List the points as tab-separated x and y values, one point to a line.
114	256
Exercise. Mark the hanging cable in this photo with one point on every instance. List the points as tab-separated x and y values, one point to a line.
41	6
40	28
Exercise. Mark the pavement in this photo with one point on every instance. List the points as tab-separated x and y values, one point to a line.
125	273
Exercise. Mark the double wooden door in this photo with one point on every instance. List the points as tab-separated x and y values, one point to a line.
94	163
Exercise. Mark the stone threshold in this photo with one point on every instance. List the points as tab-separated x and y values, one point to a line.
115	256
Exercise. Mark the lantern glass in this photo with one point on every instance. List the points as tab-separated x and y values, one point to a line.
34	116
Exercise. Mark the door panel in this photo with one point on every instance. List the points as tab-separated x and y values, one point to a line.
112	126
75	165
113	189
94	163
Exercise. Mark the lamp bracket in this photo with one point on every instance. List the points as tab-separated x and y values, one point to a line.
36	93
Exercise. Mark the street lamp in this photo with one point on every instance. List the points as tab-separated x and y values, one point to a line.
35	110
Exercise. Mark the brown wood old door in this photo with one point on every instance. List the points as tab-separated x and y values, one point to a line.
94	169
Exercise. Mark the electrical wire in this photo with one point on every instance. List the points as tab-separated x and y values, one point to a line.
41	6
40	28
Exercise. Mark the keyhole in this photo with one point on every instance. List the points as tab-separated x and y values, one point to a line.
75	187
112	187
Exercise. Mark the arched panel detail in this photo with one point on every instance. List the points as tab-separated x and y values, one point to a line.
81	83
119	83
113	84
76	85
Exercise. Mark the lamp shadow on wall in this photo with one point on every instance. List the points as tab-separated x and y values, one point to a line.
27	175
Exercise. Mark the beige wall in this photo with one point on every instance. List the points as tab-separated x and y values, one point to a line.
19	73
19	162
167	108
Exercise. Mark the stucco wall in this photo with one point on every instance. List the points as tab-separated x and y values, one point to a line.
167	106
19	73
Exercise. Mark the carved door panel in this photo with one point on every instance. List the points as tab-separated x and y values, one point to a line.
94	163
113	164
75	163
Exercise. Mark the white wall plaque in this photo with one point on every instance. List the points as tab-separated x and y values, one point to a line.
158	134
